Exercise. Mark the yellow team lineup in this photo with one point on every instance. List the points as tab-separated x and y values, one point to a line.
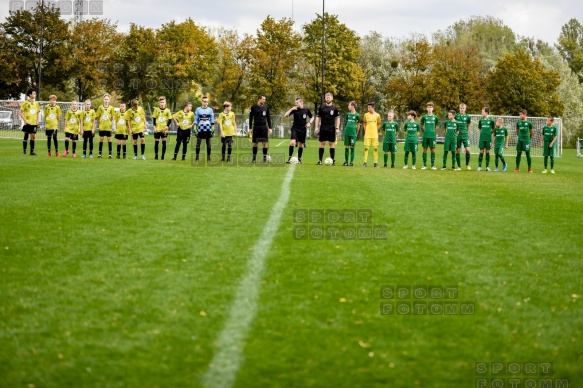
130	121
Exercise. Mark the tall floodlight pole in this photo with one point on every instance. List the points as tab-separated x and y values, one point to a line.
40	54
323	41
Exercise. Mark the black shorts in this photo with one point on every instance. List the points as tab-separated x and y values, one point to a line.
136	135
204	135
104	133
260	135
88	135
327	136
121	136
227	140
298	134
71	136
183	135
50	132
29	128
160	135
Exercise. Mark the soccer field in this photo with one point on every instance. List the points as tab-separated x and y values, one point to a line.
131	273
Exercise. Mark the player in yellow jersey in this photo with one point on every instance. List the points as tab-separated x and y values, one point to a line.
121	129
136	120
372	123
162	119
88	128
227	125
73	123
184	120
105	116
52	113
29	113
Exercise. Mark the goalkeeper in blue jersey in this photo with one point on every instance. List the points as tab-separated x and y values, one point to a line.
204	119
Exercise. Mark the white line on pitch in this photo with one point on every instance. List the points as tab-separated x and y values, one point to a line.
280	143
231	341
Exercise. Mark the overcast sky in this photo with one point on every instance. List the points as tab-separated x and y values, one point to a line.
541	19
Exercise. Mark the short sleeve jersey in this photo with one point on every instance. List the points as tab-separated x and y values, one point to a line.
301	118
105	116
391	128
30	111
227	120
411	129
523	129
121	126
136	119
500	135
486	125
72	121
205	119
52	114
372	123
327	114
162	116
451	129
352	120
88	119
429	122
185	119
464	121
549	133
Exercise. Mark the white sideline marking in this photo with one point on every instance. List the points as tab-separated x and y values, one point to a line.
280	144
231	341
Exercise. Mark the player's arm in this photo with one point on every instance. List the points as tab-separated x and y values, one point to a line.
506	139
22	114
212	123
268	114
220	122
235	124
421	126
93	124
337	123
289	111
38	115
251	122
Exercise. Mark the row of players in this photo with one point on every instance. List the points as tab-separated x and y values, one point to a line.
132	122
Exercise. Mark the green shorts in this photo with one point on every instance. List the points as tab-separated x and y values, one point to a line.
522	145
411	146
463	141
485	144
428	142
499	150
390	147
548	151
449	145
349	141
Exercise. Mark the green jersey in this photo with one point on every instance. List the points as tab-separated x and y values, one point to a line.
429	122
52	115
352	120
549	133
391	128
523	129
411	129
105	117
486	125
451	129
500	134
464	122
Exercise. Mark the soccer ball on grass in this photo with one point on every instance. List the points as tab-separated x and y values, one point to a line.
328	161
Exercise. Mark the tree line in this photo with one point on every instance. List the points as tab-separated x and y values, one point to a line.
479	61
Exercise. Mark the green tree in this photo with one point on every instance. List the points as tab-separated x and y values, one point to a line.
343	76
519	81
273	71
571	46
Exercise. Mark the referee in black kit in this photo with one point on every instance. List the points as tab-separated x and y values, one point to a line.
329	118
260	126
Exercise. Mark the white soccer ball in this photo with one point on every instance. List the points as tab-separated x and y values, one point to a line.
268	158
328	161
294	160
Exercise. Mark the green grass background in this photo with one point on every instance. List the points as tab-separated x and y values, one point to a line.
121	273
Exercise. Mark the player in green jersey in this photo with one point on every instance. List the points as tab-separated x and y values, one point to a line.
29	113
486	126
524	132
429	123
411	129
463	139
390	128
121	129
105	116
52	113
88	128
73	122
162	118
549	137
451	127
351	129
500	142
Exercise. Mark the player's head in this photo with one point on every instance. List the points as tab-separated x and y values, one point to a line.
205	101
134	104
261	99
106	99
370	107
74	105
328	98
227	106
299	102
411	115
499	122
391	115
523	114
550	120
87	104
451	114
31	94
122	107
429	107
352	106
162	102
187	106
462	108
485	111
52	100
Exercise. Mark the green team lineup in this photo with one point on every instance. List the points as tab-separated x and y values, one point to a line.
201	123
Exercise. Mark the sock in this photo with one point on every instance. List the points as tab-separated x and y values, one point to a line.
85	145
100	147
49	144
163	147
445	159
346	153
264	154
300	152
393	157
208	149
433	159
352	155
375	154
414	158
467	158
458	160
184	148
143	148
254	152
321	154
31	146
198	141
135	150
487	160
24	142
66	145
90	145
425	158
406	157
109	145
177	148
230	149
365	154
333	153
118	149
56	140
518	157
552	162
528	159
502	159
452	159
386	158
223	149
74	146
480	158
291	151
156	145
496	160
124	148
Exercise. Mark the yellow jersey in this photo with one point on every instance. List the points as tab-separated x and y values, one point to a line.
121	126
30	111
72	121
88	119
227	120
372	123
162	116
185	120
136	119
52	116
105	117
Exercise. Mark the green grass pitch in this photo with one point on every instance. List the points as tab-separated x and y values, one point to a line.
121	273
